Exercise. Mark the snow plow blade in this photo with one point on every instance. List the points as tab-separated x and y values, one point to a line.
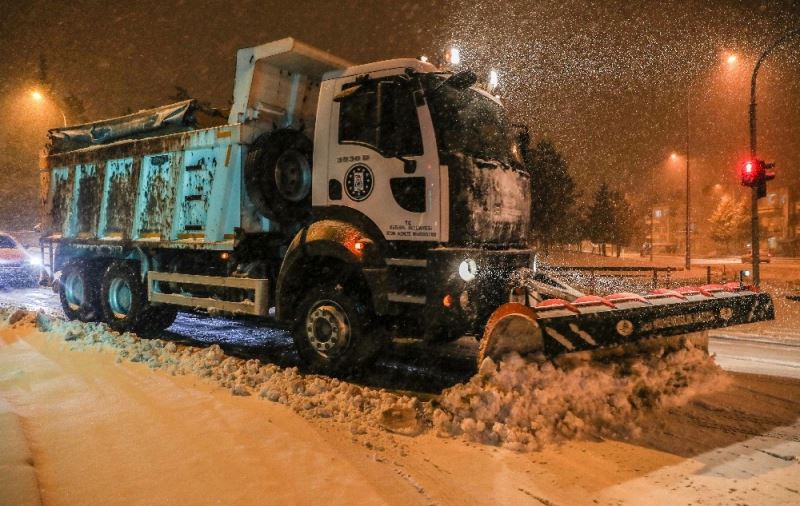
591	322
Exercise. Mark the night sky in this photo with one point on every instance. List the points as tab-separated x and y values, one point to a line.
607	81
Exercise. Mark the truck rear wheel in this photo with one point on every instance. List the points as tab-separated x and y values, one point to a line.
79	291
336	332
123	297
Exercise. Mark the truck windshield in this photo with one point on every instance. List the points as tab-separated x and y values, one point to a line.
468	122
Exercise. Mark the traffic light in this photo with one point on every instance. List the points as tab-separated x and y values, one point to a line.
766	172
749	173
756	173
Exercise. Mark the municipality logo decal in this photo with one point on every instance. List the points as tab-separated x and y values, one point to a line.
358	182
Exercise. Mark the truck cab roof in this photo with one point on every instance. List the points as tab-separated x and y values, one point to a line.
397	63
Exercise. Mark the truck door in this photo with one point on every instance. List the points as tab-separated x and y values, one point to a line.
382	157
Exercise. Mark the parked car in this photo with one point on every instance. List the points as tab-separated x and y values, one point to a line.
764	257
17	266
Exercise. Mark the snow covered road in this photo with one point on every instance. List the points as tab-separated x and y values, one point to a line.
101	428
405	366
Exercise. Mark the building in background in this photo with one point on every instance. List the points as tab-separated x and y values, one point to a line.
668	232
778	216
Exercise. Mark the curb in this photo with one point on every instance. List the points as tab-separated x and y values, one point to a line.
752	338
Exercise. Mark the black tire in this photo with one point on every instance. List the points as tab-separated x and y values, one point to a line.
283	196
335	332
79	290
123	297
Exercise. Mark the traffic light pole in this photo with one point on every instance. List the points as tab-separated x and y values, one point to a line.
754	230
754	238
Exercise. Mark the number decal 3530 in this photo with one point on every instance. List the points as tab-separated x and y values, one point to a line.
352	158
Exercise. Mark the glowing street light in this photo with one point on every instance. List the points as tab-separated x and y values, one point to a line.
38	96
494	80
731	59
453	56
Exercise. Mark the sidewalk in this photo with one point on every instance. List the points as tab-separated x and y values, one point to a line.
772	334
18	483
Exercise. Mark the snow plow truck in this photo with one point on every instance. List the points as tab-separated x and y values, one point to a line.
344	202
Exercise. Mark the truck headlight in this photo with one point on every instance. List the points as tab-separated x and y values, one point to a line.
467	269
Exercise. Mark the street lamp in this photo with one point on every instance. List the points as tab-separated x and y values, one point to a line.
38	96
754	239
673	157
730	60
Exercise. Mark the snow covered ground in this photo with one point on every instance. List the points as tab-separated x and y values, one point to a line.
92	416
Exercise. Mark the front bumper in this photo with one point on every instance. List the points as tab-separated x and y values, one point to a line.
456	306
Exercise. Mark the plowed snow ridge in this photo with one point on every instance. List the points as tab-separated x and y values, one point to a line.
517	404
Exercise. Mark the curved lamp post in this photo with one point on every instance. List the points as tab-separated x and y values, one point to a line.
37	96
754	241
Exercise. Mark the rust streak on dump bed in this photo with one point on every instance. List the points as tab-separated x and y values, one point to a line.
121	198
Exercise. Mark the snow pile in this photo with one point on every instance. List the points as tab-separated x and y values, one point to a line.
524	405
366	411
519	404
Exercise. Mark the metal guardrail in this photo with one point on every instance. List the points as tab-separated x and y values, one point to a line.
259	306
594	269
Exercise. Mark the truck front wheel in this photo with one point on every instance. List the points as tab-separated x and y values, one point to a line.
336	332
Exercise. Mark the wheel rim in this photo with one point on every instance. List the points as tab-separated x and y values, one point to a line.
293	175
74	291
327	328
120	297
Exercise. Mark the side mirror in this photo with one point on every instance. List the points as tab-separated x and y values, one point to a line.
409	166
461	80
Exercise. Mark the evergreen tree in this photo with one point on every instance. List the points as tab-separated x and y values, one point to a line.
600	219
75	110
553	194
625	223
729	222
72	106
43	75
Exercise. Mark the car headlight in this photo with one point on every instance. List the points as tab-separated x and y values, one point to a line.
35	261
467	269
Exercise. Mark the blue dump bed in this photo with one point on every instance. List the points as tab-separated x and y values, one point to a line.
181	189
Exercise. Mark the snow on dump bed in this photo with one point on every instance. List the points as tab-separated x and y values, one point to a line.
518	404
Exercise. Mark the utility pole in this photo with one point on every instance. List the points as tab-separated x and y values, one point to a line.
688	188
754	240
652	211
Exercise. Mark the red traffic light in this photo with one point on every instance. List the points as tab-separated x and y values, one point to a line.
750	172
756	173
